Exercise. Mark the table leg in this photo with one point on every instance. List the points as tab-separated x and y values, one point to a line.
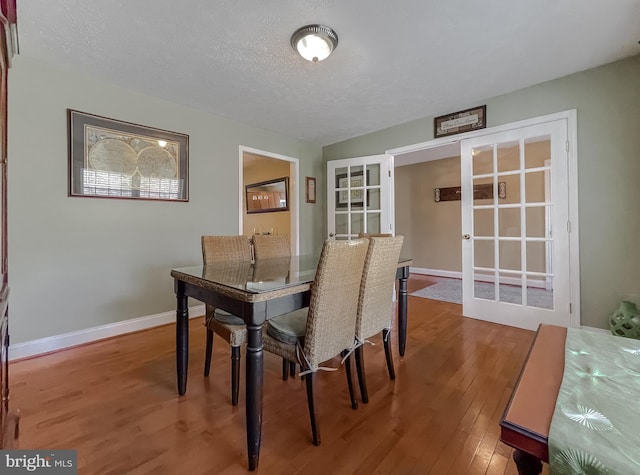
402	310
254	393
182	337
526	463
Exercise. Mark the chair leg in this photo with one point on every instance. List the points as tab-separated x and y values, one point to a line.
285	369
207	352
352	393
386	338
235	374
292	368
362	381
313	413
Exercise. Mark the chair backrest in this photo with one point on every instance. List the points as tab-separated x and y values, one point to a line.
375	306
225	248
368	235
268	270
267	246
333	306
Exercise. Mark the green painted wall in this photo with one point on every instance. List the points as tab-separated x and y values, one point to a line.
76	263
607	100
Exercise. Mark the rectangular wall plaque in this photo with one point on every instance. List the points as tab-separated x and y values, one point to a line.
480	192
459	122
310	189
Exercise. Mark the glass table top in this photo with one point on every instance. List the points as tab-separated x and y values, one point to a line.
263	275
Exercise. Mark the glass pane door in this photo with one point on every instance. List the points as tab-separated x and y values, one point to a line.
358	196
512	201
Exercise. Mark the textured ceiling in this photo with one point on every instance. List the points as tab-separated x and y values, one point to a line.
395	62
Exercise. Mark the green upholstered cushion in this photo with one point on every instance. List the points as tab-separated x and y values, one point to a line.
290	327
225	317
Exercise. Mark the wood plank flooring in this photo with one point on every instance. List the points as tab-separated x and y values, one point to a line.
116	403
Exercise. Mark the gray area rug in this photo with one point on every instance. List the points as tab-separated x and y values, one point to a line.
450	290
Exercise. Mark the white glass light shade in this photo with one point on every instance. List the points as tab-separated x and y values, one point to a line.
314	48
314	42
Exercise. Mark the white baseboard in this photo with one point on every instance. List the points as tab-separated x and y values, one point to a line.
451	274
88	335
488	278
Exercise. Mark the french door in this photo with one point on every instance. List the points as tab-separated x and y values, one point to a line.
359	192
516	227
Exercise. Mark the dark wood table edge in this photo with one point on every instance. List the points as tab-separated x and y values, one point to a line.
531	448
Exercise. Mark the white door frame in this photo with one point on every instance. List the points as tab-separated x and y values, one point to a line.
572	148
294	184
548	228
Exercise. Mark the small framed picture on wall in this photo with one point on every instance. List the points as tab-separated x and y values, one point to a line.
311	189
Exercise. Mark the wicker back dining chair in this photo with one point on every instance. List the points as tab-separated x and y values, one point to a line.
375	306
368	235
313	335
267	246
228	326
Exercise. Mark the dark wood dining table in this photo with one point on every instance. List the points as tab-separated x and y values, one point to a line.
526	421
256	292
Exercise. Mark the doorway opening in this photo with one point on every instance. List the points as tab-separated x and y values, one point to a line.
431	229
258	166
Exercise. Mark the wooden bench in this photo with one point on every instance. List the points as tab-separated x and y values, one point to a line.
527	418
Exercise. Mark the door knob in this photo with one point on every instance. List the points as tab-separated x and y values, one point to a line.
331	234
466	237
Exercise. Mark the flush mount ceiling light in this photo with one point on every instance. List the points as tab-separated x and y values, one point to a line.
314	42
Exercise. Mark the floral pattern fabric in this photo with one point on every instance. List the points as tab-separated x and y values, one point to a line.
595	427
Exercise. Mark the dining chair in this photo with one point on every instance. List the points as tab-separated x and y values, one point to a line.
216	249
316	334
267	246
375	305
368	235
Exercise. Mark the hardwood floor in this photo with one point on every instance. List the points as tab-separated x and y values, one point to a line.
116	402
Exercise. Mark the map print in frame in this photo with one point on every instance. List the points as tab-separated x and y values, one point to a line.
109	158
